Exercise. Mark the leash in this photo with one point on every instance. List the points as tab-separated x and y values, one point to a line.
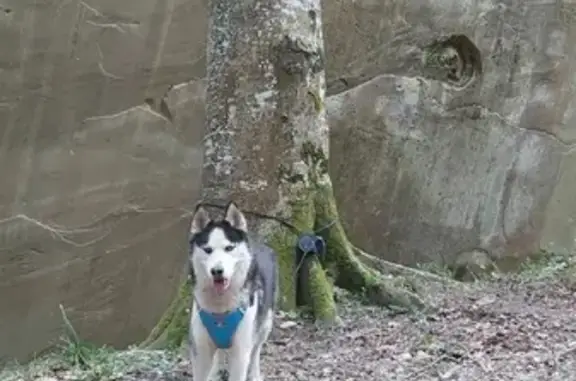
257	215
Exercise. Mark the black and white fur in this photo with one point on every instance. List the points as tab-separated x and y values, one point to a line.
251	272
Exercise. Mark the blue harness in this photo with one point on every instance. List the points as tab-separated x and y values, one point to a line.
222	327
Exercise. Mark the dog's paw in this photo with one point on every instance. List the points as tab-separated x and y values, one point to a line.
223	375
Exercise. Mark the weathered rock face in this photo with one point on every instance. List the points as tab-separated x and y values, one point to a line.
451	132
463	138
449	181
96	178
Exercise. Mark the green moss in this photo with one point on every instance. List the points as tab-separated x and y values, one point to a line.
172	329
351	273
322	294
318	103
177	331
303	218
282	241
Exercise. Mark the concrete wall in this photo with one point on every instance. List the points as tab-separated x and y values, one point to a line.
452	130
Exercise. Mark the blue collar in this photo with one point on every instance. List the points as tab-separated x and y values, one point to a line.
222	327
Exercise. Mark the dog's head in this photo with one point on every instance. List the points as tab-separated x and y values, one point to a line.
219	249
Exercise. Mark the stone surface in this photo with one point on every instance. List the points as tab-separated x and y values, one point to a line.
452	130
462	140
100	228
447	182
99	162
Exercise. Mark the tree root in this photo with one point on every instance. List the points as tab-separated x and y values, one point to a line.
317	287
321	293
352	274
400	270
172	329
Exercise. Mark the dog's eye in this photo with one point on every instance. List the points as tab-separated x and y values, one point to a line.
229	248
208	250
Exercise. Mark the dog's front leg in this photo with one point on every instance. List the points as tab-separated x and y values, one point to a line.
254	373
202	363
201	351
239	361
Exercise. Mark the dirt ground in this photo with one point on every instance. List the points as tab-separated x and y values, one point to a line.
505	329
501	331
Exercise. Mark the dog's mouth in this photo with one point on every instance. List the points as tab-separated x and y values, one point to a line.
220	284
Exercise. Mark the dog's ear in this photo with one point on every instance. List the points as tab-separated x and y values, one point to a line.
200	220
235	217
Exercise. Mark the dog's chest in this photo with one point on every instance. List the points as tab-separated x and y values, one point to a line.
222	328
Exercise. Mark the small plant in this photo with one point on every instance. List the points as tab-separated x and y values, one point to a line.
435	268
75	359
544	266
76	352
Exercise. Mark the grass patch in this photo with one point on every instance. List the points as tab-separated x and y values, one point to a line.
435	268
101	365
74	359
545	266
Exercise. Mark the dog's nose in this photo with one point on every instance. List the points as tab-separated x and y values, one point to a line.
217	271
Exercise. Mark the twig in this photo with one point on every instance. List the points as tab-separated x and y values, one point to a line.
391	266
69	328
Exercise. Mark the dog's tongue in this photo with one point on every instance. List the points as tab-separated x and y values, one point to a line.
220	285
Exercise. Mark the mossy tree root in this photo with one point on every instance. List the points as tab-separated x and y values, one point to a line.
172	329
319	288
351	273
314	209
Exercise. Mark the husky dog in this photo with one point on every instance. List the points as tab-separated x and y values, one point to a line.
234	295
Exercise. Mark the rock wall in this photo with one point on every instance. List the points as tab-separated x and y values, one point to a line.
97	175
451	131
463	136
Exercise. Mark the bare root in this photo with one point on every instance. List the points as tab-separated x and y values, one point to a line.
351	273
172	329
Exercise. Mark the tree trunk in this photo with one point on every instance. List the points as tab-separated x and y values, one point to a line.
266	147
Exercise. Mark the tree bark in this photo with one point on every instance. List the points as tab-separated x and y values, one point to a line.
267	145
267	137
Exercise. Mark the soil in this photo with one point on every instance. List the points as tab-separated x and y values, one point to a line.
499	331
502	330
